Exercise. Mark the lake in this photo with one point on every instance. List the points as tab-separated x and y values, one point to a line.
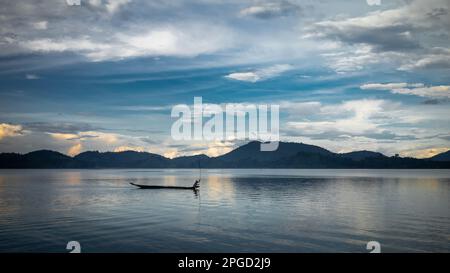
234	211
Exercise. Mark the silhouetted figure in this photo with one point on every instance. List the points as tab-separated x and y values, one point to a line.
196	184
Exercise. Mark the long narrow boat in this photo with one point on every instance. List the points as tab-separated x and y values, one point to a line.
154	187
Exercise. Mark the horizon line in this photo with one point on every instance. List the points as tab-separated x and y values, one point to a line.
200	154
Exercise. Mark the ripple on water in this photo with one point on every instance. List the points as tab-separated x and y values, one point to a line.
235	210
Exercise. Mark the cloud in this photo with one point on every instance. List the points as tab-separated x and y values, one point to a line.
432	102
357	122
103	30
74	144
369	31
32	77
417	89
59	127
261	74
41	25
406	35
70	143
387	30
62	136
75	149
300	108
121	29
129	148
83	45
186	41
10	130
176	41
438	58
424	153
358	59
109	138
370	124
112	6
244	76
209	148
402	36
144	108
268	10
368	119
142	28
373	2
78	136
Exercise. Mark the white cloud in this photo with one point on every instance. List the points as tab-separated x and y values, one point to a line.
415	15
83	44
173	41
357	59
176	28
244	76
437	58
270	9
10	130
41	25
424	153
373	2
75	143
187	148
130	148
63	136
417	89
261	74
359	121
376	125
108	138
75	149
112	6
400	36
186	41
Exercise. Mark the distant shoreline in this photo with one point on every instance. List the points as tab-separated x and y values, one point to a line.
248	156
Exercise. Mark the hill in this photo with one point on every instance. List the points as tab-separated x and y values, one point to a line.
441	157
288	155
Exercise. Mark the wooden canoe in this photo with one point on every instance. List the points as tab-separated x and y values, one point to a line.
154	187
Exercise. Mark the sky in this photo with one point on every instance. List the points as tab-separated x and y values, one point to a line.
104	75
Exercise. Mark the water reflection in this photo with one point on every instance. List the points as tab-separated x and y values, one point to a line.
218	188
73	178
234	210
170	180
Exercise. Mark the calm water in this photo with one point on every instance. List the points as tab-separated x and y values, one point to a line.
235	211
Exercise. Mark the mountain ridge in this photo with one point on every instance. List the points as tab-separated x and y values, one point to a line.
288	155
445	156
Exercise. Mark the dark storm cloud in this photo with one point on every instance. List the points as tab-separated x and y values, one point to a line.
433	102
59	127
438	12
390	38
